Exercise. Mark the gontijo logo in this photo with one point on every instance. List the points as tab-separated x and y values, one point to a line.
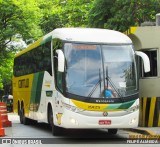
23	83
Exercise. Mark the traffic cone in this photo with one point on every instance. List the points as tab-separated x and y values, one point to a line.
4	116
1	127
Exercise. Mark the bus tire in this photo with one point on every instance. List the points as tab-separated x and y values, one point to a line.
23	120
112	131
56	131
18	109
21	116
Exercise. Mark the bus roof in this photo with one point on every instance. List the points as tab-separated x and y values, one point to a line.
89	35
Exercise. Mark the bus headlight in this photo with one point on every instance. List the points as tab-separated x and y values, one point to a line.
72	108
73	121
133	109
133	121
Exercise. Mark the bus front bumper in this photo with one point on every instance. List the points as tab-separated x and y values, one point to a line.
70	119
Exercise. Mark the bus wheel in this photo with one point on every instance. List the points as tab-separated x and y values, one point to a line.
56	131
18	109
21	116
23	119
112	131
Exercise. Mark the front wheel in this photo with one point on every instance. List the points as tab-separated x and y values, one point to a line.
56	131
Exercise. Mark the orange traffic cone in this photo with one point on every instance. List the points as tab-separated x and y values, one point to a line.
1	127
4	116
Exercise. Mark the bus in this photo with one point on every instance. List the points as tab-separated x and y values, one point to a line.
78	78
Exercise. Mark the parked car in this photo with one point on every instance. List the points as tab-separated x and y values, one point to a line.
8	99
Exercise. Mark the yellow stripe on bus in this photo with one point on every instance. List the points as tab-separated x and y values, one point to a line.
90	106
151	111
102	107
32	46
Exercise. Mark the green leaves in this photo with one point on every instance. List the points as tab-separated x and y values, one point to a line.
65	13
19	17
121	14
100	12
6	70
16	17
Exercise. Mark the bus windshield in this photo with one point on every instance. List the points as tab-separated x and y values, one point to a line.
100	71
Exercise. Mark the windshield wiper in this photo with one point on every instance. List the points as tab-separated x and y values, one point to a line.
112	84
95	87
109	81
100	79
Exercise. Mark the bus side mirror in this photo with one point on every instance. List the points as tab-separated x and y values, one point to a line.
145	59
60	60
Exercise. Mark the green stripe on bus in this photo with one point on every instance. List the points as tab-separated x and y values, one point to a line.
124	105
36	90
127	105
113	106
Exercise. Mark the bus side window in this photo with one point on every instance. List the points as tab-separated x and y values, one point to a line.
57	44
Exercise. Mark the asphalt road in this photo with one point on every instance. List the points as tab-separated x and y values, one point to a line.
41	133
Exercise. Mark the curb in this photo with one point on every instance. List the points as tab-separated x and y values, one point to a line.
141	131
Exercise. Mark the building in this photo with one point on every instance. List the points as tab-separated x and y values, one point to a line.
147	39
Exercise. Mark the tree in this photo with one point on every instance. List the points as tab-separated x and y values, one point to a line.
51	11
6	73
100	13
75	12
64	13
121	14
18	17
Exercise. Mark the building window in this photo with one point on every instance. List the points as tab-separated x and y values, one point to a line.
152	54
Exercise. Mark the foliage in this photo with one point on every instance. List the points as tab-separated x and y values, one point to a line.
100	12
75	12
51	15
6	71
121	14
64	13
18	17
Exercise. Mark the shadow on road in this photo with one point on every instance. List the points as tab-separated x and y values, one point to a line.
82	136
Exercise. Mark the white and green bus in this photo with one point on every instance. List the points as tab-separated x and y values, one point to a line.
78	78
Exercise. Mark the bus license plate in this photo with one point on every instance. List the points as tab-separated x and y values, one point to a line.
104	122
